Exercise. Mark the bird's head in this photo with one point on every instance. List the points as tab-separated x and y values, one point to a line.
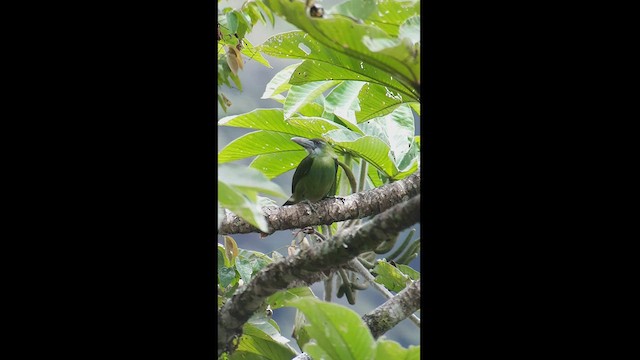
314	147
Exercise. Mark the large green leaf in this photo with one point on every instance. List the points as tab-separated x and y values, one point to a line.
314	109
388	349
411	29
345	35
395	129
239	204
377	100
238	187
256	344
358	9
262	119
256	143
391	14
400	49
343	100
314	126
370	148
324	63
280	82
339	333
300	95
266	326
273	165
280	298
245	178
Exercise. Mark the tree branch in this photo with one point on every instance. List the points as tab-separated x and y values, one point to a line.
386	316
328	211
305	265
360	269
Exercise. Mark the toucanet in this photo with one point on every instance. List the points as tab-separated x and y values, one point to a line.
315	177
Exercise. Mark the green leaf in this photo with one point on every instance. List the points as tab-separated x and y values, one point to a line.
339	332
256	259
389	276
323	63
388	349
359	9
395	129
400	49
223	260
416	107
257	143
347	123
265	119
377	100
255	344
316	352
393	13
226	276
280	82
267	11
413	166
232	21
246	178
244	269
343	100
315	126
231	248
300	95
222	103
411	29
376	181
300	333
253	11
408	164
253	54
370	148
409	271
276	164
313	109
280	298
244	24
345	35
239	204
263	324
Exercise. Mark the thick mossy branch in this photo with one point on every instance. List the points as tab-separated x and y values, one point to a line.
328	211
386	316
305	266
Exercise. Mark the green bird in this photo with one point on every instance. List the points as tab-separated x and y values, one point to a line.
315	177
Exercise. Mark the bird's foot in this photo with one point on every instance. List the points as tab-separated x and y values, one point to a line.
311	205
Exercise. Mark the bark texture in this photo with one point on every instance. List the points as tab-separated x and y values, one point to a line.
386	316
305	266
328	211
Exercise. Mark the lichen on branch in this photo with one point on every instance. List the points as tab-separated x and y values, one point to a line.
328	211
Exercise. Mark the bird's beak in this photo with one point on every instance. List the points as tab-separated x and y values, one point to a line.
305	143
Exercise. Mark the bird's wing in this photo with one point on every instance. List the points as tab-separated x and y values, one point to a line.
332	192
301	171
